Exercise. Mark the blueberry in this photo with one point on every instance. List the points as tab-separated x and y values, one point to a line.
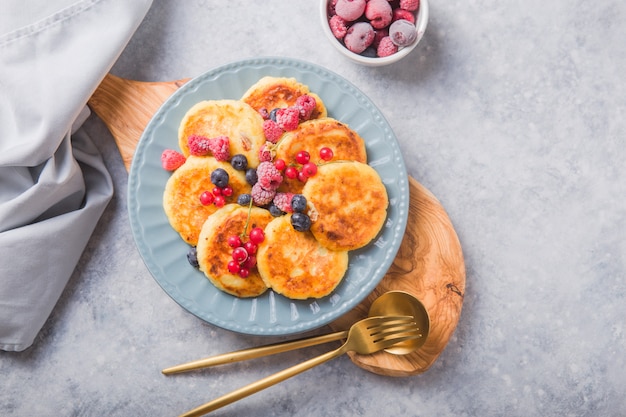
273	114
301	222
244	199
192	257
275	211
219	178
239	162
251	176
298	203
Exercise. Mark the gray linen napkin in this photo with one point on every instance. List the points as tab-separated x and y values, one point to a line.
53	183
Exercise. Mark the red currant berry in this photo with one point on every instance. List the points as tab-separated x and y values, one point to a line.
234	241
250	247
206	198
302	176
326	153
257	235
250	262
227	191
217	191
240	254
291	172
219	201
302	157
244	272
280	164
233	267
309	169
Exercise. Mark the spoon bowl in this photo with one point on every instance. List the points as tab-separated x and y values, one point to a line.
400	303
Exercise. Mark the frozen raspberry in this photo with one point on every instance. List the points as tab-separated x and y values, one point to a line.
331	7
288	118
410	5
272	131
265	154
306	104
198	145
283	201
261	196
386	47
338	26
269	177
378	36
220	147
172	160
402	14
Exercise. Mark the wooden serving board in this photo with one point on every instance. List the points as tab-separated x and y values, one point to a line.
428	265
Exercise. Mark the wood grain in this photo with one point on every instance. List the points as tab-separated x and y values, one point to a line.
428	265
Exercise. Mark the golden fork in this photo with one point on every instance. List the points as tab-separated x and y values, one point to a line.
364	337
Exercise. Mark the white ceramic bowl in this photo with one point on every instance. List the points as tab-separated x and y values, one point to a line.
421	22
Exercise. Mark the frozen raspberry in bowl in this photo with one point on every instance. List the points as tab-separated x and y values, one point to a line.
379	15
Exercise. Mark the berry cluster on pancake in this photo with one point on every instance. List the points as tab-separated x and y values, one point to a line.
214	253
308	222
274	92
312	136
181	198
234	119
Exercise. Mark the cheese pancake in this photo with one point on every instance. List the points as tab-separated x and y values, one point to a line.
313	135
295	265
350	204
214	253
181	198
233	118
273	92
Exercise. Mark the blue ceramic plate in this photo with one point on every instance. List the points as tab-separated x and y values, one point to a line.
164	252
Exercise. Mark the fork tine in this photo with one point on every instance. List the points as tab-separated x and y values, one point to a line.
393	340
388	320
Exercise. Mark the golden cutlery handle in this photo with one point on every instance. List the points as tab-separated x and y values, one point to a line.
257	352
264	383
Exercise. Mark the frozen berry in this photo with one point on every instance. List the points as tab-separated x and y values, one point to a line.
265	154
268	176
283	202
410	5
192	257
239	162
220	147
244	199
338	26
302	157
306	104
274	210
402	14
301	222
273	113
298	203
198	145
264	113
261	196
251	176
272	130
171	160
288	118
220	177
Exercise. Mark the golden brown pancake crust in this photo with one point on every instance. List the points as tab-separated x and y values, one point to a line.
272	92
181	198
214	253
295	265
350	204
233	118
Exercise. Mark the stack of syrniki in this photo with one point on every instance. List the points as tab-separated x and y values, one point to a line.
231	180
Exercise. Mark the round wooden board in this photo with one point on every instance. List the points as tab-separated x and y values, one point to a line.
428	265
